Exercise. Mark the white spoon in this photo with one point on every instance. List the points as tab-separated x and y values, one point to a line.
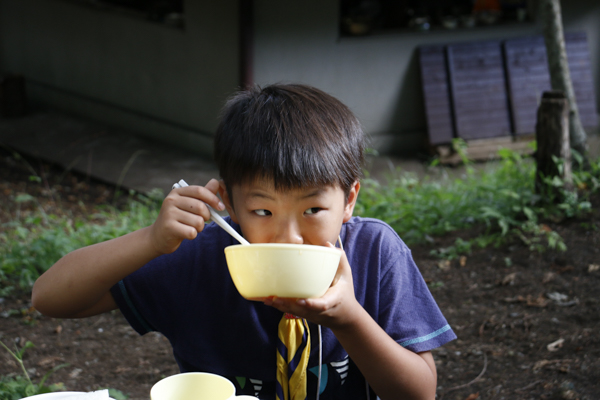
217	218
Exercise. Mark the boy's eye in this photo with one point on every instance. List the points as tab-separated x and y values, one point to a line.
313	210
262	213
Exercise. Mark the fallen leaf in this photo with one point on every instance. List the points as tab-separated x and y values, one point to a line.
564	368
540	364
548	277
463	261
566	268
593	268
509	279
545	228
444	265
558	297
473	396
58	329
75	373
562	300
516	299
48	362
540	301
554	346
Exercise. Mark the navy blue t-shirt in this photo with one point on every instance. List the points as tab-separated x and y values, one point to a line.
190	298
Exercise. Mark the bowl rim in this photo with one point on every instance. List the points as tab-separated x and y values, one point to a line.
181	375
58	395
292	246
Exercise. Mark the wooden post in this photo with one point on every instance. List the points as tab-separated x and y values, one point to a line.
552	136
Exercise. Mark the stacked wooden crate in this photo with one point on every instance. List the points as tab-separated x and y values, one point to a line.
487	93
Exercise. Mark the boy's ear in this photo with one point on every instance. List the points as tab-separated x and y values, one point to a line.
227	201
351	201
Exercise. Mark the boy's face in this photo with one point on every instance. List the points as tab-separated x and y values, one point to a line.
302	216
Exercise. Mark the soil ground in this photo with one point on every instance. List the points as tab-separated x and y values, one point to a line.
527	323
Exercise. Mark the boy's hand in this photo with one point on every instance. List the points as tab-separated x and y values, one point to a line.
335	309
183	214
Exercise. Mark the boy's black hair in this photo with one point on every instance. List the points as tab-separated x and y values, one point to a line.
295	135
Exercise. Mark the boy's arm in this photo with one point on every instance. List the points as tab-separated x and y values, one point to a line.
391	370
78	284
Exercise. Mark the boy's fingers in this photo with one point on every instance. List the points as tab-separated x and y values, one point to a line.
306	307
329	300
207	194
291	306
193	206
343	267
212	185
195	221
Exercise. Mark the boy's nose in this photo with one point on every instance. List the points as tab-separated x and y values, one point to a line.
288	232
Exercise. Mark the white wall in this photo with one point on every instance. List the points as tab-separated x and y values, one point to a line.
377	76
160	81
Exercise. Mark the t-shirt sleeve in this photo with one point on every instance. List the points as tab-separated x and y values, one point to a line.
141	295
411	314
151	298
393	289
131	312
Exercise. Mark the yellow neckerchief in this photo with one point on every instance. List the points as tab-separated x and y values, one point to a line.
293	352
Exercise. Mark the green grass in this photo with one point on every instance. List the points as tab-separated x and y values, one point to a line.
17	386
501	199
13	387
32	245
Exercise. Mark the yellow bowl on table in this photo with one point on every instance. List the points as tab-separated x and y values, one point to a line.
262	270
195	386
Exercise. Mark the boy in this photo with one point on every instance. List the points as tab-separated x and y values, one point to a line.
290	159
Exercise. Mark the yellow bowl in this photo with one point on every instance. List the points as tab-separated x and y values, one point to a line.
193	386
284	270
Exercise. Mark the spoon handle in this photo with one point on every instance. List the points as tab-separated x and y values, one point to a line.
217	218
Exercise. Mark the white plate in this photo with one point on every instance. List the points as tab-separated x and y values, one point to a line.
58	396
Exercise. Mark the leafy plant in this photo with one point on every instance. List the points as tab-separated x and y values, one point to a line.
19	386
14	387
500	198
34	244
117	394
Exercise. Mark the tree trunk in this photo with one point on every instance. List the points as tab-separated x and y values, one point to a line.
560	76
552	136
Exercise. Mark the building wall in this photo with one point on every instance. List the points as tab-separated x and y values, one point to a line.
160	81
169	84
377	76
